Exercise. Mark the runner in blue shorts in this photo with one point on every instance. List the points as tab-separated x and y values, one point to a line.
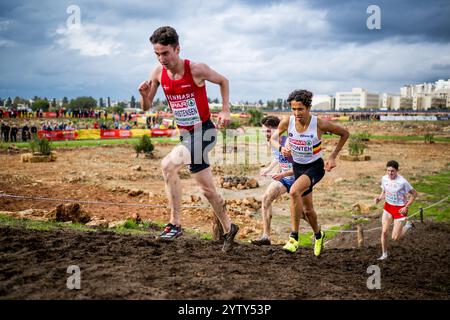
283	179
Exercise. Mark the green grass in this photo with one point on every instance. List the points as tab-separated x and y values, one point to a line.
432	189
305	239
129	227
90	143
396	138
8	221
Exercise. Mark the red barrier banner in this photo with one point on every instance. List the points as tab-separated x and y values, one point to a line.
58	135
163	132
115	134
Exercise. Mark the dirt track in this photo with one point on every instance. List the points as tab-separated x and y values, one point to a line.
33	265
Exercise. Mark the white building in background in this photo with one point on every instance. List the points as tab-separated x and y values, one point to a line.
442	84
390	101
427	95
357	99
323	102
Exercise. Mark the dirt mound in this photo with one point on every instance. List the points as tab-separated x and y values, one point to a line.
33	265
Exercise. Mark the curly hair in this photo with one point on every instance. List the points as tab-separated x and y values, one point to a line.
303	96
166	36
270	121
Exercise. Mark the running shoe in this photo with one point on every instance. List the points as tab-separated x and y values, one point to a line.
229	238
170	232
264	241
291	245
318	244
383	256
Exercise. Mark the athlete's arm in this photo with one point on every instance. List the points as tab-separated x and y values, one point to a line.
381	196
325	126
202	72
412	196
148	89
275	138
265	171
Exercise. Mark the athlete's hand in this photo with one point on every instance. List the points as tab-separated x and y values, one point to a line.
377	199
144	88
263	172
330	164
403	210
277	176
286	150
224	119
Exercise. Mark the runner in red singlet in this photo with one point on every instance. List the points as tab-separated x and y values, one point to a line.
183	83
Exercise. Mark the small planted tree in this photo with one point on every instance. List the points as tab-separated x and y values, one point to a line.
144	145
40	146
429	138
356	146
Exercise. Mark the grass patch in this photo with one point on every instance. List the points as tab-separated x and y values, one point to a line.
90	143
432	189
8	221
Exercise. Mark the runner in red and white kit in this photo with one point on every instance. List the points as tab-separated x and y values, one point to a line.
183	83
398	195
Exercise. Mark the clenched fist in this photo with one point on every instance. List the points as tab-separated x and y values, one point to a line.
144	88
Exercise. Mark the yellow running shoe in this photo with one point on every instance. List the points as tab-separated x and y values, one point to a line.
318	244
291	245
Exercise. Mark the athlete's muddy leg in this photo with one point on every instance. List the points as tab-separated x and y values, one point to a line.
296	203
171	165
206	181
310	213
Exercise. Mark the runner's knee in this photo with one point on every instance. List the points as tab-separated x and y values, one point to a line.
168	167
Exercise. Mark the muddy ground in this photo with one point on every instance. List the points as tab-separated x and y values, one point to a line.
33	265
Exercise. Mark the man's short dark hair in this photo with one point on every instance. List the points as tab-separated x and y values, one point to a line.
392	164
303	96
270	121
166	36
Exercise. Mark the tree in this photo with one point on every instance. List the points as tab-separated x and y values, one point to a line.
83	103
100	103
255	117
65	101
279	103
120	108
133	102
8	102
40	104
109	102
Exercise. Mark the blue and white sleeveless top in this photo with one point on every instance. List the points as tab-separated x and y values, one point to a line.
284	163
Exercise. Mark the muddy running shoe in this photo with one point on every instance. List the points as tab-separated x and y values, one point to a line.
383	256
264	241
291	245
318	244
409	226
170	232
229	238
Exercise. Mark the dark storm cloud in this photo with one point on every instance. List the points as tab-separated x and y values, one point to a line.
411	20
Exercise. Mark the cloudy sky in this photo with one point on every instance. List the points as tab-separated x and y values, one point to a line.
265	48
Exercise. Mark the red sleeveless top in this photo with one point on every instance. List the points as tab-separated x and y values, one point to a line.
188	102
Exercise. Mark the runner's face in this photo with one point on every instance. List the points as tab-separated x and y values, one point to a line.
391	172
300	111
167	55
268	131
